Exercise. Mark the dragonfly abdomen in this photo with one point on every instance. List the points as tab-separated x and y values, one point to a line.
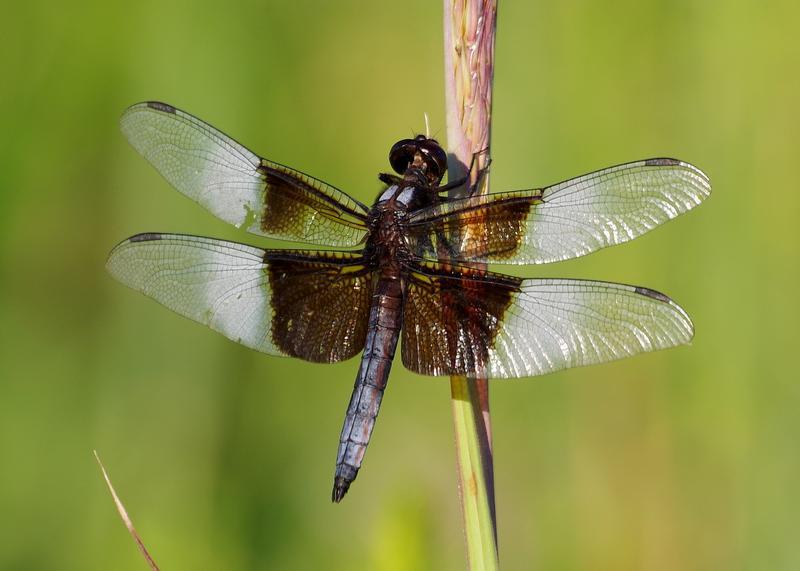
385	321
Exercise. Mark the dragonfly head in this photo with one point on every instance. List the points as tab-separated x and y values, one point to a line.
420	152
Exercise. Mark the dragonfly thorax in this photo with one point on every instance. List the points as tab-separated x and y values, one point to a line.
409	197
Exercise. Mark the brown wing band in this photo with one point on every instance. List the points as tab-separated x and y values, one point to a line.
320	304
451	318
481	229
288	191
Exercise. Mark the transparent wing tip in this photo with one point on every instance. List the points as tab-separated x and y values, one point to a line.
115	265
683	322
700	180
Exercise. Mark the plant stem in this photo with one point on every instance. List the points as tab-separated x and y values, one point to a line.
123	514
469	33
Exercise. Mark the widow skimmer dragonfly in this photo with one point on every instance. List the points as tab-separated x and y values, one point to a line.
402	267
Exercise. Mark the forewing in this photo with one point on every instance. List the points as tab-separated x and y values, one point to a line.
310	305
238	186
562	221
511	328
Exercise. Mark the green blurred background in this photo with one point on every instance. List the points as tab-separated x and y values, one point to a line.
685	459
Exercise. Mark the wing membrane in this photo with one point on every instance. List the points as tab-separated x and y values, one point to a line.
562	221
510	327
238	186
310	305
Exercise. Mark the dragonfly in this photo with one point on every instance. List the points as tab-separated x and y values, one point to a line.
413	265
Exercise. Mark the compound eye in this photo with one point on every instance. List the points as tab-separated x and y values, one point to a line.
436	158
402	154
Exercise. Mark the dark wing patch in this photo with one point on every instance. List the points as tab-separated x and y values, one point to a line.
301	208
320	304
451	318
486	227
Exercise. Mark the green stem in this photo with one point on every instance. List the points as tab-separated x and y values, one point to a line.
476	484
469	30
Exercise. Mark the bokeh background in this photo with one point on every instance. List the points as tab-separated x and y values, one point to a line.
685	459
